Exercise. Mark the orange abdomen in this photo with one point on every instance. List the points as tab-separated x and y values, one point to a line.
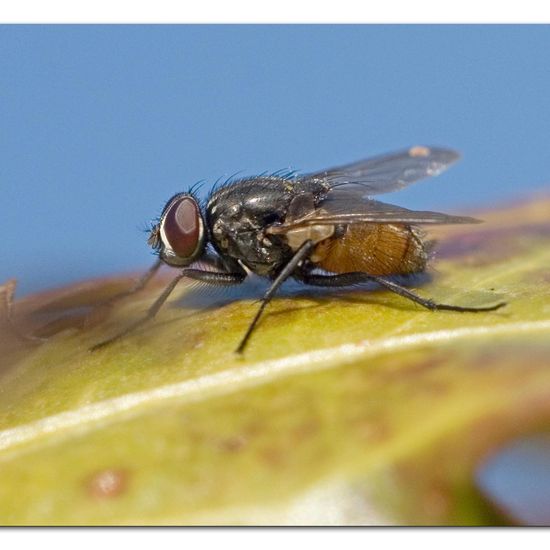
376	249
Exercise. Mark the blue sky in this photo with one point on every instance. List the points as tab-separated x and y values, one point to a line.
102	124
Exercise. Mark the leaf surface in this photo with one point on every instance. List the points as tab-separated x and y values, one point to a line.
354	407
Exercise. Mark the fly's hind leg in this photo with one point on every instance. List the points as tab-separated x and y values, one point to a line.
357	277
209	277
430	304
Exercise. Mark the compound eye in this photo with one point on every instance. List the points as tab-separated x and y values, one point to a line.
181	228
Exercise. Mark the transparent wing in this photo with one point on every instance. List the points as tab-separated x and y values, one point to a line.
347	205
387	173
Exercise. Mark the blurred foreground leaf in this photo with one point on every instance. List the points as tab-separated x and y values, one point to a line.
349	408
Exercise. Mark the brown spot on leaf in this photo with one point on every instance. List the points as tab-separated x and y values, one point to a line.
233	444
254	428
436	502
306	429
417	368
108	483
272	456
372	430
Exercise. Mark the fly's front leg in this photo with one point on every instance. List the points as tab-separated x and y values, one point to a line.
209	277
100	310
140	284
301	254
357	277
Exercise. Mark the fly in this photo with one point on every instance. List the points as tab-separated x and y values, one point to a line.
321	229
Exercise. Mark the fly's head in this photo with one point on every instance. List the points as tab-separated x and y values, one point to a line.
179	237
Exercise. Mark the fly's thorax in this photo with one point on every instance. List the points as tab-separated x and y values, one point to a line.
237	217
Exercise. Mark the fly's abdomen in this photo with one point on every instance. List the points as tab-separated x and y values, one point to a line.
376	249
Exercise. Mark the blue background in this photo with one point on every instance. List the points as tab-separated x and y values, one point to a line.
100	125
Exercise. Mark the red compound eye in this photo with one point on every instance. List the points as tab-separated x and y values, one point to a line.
181	227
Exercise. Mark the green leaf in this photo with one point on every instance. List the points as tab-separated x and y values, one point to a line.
348	408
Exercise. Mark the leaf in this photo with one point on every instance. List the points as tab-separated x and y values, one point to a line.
350	408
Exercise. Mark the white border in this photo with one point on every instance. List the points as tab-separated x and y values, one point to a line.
273	539
275	11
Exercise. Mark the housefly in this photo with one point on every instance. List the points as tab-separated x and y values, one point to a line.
321	229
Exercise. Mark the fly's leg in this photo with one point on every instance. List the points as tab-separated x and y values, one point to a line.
430	304
357	277
100	310
301	254
140	284
209	277
143	281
